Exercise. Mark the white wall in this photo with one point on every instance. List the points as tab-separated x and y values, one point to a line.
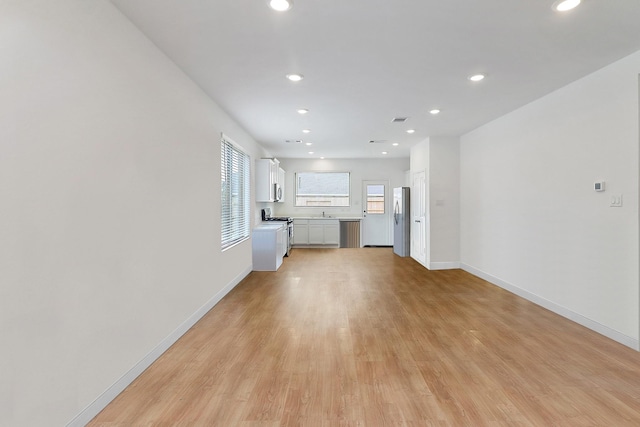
444	202
110	213
109	230
531	221
439	158
392	170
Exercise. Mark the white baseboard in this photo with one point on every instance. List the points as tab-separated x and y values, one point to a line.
299	246
444	265
562	311
112	392
417	260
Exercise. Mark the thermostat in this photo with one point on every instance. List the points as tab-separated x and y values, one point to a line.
598	186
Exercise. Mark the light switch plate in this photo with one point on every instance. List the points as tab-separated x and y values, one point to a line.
616	201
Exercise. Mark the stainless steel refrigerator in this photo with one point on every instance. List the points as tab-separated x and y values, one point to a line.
401	221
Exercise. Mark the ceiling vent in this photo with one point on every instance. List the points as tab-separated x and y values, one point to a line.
399	119
377	141
293	141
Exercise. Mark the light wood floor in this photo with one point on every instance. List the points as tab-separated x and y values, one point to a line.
361	337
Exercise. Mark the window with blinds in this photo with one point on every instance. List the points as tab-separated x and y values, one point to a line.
322	189
235	193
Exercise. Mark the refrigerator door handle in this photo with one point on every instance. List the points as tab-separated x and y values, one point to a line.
396	209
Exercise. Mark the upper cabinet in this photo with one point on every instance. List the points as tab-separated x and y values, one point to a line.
269	180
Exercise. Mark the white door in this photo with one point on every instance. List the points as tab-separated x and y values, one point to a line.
376	219
419	218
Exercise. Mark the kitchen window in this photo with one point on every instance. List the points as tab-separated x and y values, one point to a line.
235	193
322	189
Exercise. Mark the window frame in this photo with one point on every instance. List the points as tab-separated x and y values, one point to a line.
297	184
235	193
368	202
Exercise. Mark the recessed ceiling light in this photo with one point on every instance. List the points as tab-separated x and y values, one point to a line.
306	130
302	111
411	130
308	143
384	152
322	158
476	77
564	5
434	111
395	144
310	152
280	5
295	77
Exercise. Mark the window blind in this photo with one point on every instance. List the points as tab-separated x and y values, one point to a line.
322	189
235	193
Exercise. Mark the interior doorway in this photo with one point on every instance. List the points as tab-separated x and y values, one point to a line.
419	218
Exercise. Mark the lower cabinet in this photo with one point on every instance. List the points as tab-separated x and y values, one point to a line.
300	232
332	233
316	232
268	247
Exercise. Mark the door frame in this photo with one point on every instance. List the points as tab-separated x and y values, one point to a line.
386	217
419	218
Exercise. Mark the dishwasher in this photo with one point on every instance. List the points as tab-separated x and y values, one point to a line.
349	233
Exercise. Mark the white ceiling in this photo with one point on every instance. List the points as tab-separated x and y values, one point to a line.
368	61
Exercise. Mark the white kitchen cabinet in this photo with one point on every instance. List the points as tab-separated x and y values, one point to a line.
266	180
316	232
300	232
268	247
332	233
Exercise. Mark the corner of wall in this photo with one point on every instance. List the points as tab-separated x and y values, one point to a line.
112	392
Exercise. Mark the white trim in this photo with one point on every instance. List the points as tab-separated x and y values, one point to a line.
235	144
562	311
303	246
444	265
114	390
415	258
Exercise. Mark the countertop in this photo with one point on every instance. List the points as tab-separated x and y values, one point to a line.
268	226
340	218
